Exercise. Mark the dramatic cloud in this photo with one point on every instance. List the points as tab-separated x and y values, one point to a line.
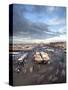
33	22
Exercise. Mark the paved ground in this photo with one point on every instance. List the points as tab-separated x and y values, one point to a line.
31	73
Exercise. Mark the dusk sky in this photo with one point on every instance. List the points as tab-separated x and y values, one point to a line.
33	23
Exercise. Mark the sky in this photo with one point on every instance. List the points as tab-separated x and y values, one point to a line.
34	23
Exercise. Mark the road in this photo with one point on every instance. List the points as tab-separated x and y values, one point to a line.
32	73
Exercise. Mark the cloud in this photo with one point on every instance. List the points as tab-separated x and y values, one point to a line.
30	40
33	23
50	9
23	27
56	21
62	30
57	38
